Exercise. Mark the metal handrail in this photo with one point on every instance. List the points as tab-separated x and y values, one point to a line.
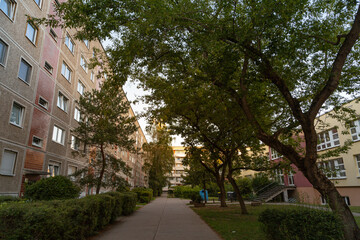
266	187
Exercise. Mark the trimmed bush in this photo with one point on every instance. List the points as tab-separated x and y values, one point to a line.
58	187
144	195
8	199
129	203
185	191
63	219
302	223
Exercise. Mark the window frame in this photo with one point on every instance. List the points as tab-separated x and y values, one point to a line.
29	71
57	132
67	69
54	163
44	106
82	88
13	6
323	145
67	43
20	125
357	160
35	35
83	63
335	173
4	54
355	125
48	67
37	145
75	141
92	76
64	100
77	114
53	34
14	163
39	4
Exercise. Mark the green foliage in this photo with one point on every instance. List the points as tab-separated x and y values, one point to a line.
245	186
303	223
260	180
130	200
186	191
159	159
58	187
8	199
144	195
195	197
67	219
105	123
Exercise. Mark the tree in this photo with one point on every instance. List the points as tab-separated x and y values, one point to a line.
159	158
281	61
105	124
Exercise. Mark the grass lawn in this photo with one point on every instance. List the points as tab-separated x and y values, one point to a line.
355	209
231	225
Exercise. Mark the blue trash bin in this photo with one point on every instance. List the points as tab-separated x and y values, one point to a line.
202	195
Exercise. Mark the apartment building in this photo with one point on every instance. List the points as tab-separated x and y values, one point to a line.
43	71
178	171
343	170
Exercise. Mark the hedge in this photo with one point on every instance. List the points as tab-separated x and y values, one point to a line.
8	199
63	219
301	223
144	195
185	191
58	187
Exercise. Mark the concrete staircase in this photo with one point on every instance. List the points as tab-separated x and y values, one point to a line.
271	192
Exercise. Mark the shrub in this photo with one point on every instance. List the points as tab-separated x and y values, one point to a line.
63	219
144	195
304	224
196	198
185	191
58	187
8	199
129	203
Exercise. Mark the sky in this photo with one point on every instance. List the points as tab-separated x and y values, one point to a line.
133	93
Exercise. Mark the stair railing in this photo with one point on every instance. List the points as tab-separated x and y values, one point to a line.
266	187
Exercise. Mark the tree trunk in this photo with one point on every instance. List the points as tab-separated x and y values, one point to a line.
220	183
336	201
98	185
238	194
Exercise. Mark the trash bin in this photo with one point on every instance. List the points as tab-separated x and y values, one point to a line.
231	196
202	195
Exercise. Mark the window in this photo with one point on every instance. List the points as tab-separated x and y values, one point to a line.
92	76
291	179
71	171
48	67
38	2
37	141
24	71
80	87
328	139
17	113
357	158
66	71
43	103
31	32
8	7
53	34
355	130
275	154
279	176
83	63
62	102
86	43
54	169
8	161
77	114
333	168
3	51
69	43
75	143
58	135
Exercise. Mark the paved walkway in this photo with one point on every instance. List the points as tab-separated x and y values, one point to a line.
163	219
